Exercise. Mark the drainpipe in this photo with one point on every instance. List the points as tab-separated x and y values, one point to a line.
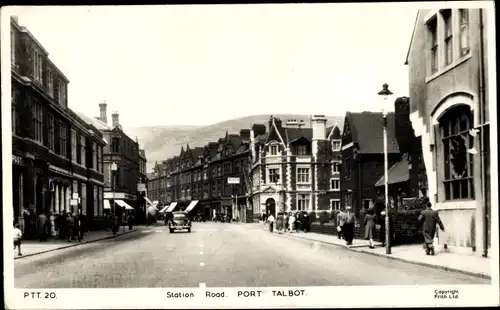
481	131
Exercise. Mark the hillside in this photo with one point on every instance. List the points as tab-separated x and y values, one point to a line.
163	142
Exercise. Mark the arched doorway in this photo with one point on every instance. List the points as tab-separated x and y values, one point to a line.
271	206
39	194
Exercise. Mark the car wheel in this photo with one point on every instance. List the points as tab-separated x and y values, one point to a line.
189	230
171	230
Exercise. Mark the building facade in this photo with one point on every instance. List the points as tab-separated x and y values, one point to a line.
449	105
56	154
121	185
294	168
363	157
199	177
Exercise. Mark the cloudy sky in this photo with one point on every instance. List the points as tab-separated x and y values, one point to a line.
197	65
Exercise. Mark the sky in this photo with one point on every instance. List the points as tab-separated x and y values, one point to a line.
198	65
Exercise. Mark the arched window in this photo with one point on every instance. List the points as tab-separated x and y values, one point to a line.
458	162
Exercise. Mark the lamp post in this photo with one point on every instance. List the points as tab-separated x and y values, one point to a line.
386	93
114	168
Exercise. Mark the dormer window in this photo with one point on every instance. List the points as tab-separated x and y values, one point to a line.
273	149
302	150
336	145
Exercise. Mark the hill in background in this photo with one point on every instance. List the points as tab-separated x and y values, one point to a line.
162	142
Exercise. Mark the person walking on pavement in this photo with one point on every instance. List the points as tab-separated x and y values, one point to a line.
341	216
70	225
369	223
270	220
80	224
291	222
43	227
349	225
305	222
279	223
18	236
285	222
130	221
429	219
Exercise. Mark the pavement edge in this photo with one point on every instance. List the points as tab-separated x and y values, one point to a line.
77	244
359	249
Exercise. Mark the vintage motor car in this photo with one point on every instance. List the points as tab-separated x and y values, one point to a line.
179	221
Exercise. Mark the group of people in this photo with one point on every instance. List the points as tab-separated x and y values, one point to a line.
288	222
347	222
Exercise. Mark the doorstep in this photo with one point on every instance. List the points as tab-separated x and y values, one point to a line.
34	247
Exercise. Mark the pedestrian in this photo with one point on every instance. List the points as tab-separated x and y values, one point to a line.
63	230
270	221
305	222
70	225
279	223
80	224
130	221
349	225
18	236
291	222
43	226
429	219
341	216
298	221
285	222
369	223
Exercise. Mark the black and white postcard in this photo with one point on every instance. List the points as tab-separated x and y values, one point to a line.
250	155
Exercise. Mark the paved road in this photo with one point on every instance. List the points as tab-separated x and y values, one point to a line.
217	255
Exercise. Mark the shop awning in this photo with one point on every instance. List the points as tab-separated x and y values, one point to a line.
107	205
171	207
191	206
123	204
148	201
164	209
398	173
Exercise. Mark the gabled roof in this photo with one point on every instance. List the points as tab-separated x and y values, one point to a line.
398	173
295	134
367	132
412	35
333	131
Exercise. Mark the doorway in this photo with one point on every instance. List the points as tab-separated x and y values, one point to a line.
271	206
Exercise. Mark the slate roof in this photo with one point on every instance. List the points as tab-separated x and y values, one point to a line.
398	173
94	121
294	134
367	131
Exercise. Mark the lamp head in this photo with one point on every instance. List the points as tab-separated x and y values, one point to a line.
385	90
114	167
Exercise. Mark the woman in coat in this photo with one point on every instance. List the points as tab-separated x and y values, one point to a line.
369	223
279	223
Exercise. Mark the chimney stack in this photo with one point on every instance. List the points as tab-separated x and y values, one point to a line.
318	123
114	119
245	134
102	112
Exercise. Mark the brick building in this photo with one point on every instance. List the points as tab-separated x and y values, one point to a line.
294	168
449	106
124	151
196	180
56	154
363	157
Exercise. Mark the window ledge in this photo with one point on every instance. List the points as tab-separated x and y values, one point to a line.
459	204
449	67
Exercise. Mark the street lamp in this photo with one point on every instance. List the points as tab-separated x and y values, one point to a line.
114	168
386	93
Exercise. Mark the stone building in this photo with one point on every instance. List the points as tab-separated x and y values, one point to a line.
56	155
450	101
292	168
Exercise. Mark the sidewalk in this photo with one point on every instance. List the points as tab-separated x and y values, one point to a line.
35	247
414	253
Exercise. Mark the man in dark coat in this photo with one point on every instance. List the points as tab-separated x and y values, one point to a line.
80	224
43	227
350	224
429	219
